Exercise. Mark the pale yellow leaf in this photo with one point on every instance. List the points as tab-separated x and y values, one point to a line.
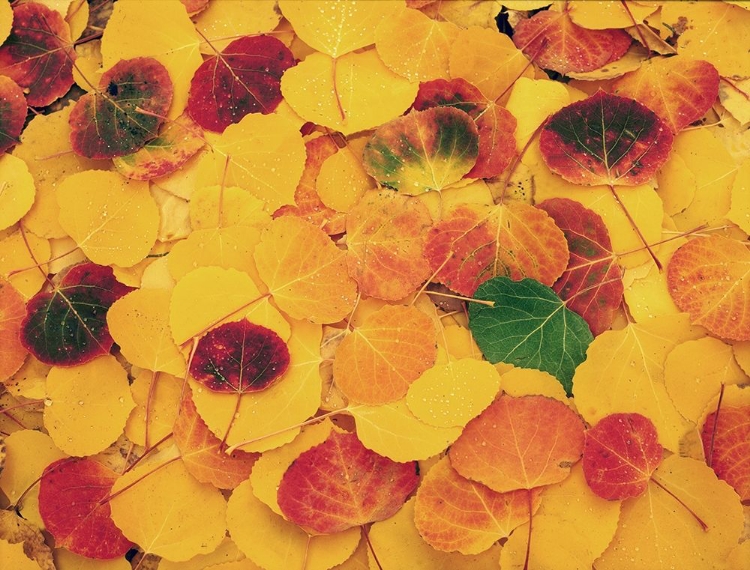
16	190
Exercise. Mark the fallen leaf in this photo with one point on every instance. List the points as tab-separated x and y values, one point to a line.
17	190
12	313
16	530
726	438
12	112
157	403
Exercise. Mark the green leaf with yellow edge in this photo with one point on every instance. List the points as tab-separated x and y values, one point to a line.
449	395
393	431
336	28
661	529
218	206
352	103
555	543
277	544
139	324
17	263
264	154
223	21
165	510
270	418
16	190
398	544
87	406
424	150
624	372
112	219
157	401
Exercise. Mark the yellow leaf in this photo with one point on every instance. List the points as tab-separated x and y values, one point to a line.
656	532
66	560
354	102
342	180
555	543
676	185
414	45
276	544
157	401
112	219
167	512
227	551
269	418
604	15
309	282
264	154
130	33
16	190
139	324
449	395
13	555
87	405
531	101
394	432
336	27
220	207
528	381
6	21
739	212
223	21
624	372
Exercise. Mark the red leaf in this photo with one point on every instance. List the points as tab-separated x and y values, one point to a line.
244	78
125	112
457	93
68	325
556	43
726	443
340	484
239	357
620	454
12	112
39	54
605	139
72	504
592	283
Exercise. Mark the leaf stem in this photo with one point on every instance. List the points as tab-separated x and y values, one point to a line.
710	455
336	90
366	534
635	227
528	540
704	526
460	298
111	496
637	27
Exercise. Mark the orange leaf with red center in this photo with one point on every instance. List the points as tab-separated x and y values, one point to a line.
380	359
73	505
592	283
495	124
519	443
244	78
202	452
709	278
12	313
605	139
341	484
620	454
385	241
726	443
677	89
12	112
554	42
455	514
475	243
39	54
239	357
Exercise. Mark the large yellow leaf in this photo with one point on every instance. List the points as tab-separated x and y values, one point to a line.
531	101
347	94
16	190
739	212
221	207
624	372
130	33
87	405
658	532
305	271
167	512
223	21
17	263
264	154
157	398
336	27
605	15
112	219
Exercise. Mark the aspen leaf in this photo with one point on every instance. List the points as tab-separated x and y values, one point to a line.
112	219
159	513
16	190
18	262
6	22
528	381
12	313
224	20
14	554
726	442
739	212
341	484
531	101
609	15
12	112
342	181
87	405
217	207
157	402
306	284
503	449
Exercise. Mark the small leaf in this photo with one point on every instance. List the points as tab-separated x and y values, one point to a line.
125	112
529	326
726	443
605	139
340	484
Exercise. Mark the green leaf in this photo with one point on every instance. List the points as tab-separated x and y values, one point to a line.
530	327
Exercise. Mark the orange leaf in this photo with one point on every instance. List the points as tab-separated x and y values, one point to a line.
708	278
726	442
12	312
453	513
385	240
519	443
377	362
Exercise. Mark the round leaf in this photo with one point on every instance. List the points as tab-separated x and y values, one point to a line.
12	313
16	190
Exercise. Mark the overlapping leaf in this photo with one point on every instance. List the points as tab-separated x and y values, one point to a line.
726	442
12	112
12	313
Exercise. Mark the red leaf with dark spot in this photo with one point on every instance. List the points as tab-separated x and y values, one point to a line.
68	325
39	54
605	139
592	283
620	454
726	443
341	484
72	504
239	357
12	112
244	78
